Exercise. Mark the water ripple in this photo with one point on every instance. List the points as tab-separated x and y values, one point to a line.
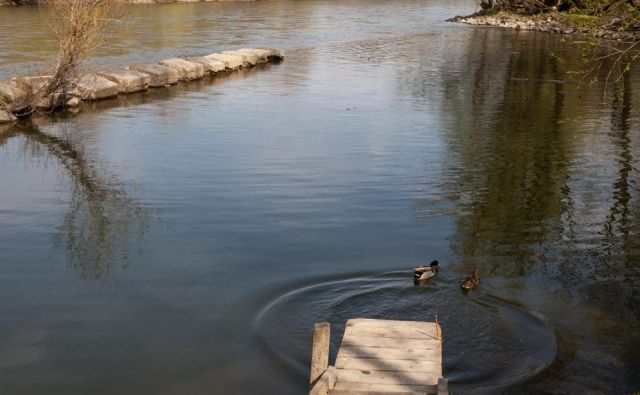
490	343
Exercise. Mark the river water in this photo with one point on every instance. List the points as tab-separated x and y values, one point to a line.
185	240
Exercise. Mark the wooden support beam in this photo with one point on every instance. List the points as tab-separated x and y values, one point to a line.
325	383
319	351
443	386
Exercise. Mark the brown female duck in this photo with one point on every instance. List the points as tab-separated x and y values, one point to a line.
470	283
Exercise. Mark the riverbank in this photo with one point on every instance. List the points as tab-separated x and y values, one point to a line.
553	22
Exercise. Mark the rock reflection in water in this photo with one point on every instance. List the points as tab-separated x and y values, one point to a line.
102	222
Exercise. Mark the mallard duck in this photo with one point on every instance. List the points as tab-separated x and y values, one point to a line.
423	273
470	283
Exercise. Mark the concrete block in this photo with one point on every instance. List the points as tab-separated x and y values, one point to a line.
94	87
273	53
128	81
8	92
232	62
262	55
249	58
160	75
68	98
186	70
211	66
6	117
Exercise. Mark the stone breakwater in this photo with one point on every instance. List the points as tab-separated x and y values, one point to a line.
34	2
107	84
518	22
552	22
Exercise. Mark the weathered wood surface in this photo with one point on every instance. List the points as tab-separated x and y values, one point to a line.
319	351
347	392
421	389
389	357
324	384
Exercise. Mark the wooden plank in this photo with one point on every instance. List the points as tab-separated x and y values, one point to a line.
326	382
384	377
320	387
319	351
422	389
394	365
393	332
443	387
390	342
348	351
341	392
388	357
368	322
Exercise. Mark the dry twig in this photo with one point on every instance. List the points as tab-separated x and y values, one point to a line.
80	27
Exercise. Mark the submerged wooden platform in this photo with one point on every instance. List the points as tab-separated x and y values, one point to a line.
379	357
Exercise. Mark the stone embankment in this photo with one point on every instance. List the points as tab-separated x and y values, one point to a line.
514	21
552	22
111	83
34	2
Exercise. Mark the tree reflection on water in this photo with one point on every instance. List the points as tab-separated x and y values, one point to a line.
541	182
103	222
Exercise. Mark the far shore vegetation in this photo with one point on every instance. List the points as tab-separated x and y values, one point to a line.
613	25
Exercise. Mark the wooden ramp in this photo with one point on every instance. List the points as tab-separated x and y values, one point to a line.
379	357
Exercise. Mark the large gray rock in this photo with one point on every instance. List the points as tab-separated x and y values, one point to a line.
273	53
17	93
211	66
6	117
36	85
94	87
186	70
231	62
128	81
160	75
249	58
7	92
262	55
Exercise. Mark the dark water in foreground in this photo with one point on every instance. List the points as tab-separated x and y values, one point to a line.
186	240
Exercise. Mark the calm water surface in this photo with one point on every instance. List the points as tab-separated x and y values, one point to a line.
185	240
